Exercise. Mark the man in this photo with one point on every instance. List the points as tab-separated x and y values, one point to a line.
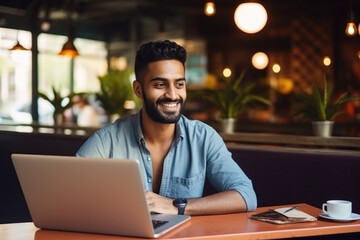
86	114
177	154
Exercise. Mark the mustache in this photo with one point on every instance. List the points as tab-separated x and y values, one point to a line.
167	100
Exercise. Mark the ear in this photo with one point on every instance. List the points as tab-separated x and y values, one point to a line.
137	88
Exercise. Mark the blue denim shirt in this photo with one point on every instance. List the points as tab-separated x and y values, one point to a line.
198	152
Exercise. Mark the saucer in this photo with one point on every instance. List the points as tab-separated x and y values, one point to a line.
353	216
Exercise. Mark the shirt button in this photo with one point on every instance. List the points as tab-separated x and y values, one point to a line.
149	158
149	180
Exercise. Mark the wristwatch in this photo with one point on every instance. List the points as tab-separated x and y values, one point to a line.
180	203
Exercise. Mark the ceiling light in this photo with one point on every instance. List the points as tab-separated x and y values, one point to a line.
350	29
227	72
69	49
250	17
18	46
45	25
327	61
210	9
276	68
260	60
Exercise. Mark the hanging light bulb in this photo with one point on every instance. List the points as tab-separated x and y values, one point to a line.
260	60
276	68
227	72
327	61
45	25
250	17
350	29
210	9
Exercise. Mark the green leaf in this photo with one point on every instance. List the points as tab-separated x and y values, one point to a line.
233	97
115	89
318	106
57	100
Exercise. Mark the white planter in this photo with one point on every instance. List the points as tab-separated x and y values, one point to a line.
323	128
228	125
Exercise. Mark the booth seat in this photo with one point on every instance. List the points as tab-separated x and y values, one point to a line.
283	176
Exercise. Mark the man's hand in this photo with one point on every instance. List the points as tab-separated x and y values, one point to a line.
160	204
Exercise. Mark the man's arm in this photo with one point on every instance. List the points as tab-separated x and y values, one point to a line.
229	201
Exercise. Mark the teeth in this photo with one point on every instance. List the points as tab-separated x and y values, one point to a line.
170	105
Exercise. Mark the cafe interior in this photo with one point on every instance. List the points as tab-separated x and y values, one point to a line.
286	49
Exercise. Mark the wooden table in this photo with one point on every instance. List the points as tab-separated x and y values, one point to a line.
229	226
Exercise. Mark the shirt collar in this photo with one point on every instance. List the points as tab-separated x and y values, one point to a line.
137	127
179	129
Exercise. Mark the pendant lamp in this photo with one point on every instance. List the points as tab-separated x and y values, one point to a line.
69	49
250	17
18	46
350	29
210	9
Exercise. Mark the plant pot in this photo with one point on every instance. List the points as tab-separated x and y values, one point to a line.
323	128
58	119
228	125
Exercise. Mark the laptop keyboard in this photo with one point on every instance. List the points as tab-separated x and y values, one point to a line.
158	223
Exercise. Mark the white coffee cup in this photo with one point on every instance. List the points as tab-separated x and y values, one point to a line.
339	209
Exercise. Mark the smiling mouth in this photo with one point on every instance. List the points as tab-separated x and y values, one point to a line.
170	105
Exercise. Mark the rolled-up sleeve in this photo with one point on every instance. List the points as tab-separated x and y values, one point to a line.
225	174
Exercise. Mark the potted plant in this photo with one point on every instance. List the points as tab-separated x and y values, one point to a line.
115	90
319	107
231	99
60	104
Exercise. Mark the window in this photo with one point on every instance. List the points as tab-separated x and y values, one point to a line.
66	75
15	77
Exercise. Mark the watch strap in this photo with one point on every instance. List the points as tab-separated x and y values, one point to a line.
180	203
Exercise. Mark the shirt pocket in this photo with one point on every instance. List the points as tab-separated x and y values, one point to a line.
191	187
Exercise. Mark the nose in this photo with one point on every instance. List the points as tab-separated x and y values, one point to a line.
171	92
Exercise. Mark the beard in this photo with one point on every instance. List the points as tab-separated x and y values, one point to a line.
156	115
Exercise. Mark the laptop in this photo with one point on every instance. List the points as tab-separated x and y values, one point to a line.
94	195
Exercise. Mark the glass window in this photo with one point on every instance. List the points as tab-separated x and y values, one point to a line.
66	75
15	77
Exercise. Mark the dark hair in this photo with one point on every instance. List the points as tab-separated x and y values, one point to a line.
156	51
82	97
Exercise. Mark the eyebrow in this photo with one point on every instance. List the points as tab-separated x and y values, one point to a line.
166	79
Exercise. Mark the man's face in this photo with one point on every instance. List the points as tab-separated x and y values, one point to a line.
164	91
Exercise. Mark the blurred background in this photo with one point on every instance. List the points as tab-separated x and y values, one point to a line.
299	42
